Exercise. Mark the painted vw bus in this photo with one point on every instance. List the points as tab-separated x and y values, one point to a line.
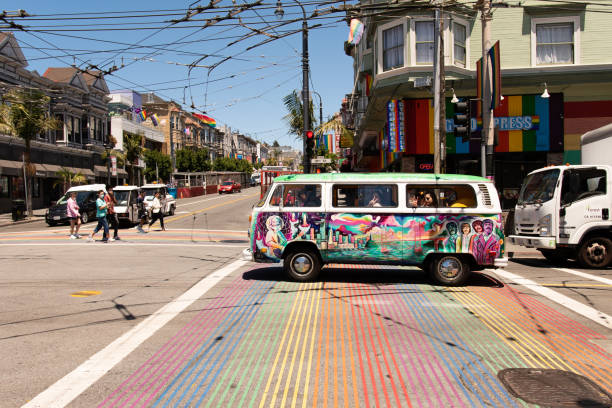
446	224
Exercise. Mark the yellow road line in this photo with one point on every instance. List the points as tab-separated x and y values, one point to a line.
311	351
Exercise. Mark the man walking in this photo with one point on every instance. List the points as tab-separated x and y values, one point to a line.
72	209
111	215
101	214
142	212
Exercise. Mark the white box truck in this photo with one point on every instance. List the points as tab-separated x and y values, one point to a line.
564	211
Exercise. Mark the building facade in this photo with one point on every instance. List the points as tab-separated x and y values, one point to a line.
543	47
79	102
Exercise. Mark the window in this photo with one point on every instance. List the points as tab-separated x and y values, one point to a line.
424	33
579	184
365	195
539	187
393	47
275	200
440	196
77	130
69	128
555	43
459	39
302	195
59	132
4	187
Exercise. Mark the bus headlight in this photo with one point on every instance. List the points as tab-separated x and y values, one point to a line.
544	225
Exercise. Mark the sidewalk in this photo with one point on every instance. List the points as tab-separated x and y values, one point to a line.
6	219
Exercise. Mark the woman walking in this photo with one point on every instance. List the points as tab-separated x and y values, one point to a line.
72	208
156	212
101	214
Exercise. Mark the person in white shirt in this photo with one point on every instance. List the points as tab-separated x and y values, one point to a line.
156	212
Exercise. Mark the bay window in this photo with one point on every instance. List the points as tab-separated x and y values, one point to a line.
393	47
424	42
459	41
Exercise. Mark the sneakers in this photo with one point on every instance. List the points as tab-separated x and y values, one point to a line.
90	239
73	236
117	239
110	239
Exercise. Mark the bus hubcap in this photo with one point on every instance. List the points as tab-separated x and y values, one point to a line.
449	267
301	264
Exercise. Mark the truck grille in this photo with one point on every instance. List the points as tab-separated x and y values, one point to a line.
527	229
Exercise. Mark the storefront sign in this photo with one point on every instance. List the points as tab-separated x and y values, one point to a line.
504	124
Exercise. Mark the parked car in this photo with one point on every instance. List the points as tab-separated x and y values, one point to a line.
167	200
255	180
229	187
86	199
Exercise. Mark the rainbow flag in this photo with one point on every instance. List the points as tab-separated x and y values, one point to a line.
143	115
206	119
479	84
496	73
356	31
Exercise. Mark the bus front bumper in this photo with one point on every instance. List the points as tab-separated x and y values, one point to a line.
247	255
533	242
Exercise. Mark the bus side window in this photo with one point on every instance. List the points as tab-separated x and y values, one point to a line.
275	200
457	197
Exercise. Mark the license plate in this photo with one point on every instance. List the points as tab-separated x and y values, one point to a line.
57	218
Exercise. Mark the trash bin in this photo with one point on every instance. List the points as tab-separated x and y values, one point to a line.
18	210
172	191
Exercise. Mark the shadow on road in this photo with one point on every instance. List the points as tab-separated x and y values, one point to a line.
337	274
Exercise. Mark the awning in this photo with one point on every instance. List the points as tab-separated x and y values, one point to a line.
51	169
10	167
100	170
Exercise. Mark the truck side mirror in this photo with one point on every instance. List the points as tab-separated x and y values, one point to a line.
562	212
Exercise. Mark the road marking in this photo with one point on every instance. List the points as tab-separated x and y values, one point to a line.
85	293
586	275
582	309
73	384
180	217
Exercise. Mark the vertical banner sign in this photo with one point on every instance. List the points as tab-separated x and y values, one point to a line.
391	127
479	78
337	141
496	75
400	126
113	165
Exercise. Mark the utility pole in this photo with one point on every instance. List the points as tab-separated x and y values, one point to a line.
305	93
442	98
487	135
437	62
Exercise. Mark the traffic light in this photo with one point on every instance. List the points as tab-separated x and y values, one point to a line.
310	143
462	121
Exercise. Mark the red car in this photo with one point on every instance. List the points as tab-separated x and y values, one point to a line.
229	187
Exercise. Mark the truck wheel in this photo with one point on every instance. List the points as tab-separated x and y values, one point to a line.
554	256
84	218
302	264
595	252
172	210
450	270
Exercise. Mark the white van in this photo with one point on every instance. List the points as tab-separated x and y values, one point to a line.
126	207
167	200
446	224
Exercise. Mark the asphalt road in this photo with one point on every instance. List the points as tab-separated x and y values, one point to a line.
175	319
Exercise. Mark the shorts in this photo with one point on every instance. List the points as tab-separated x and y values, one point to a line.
72	218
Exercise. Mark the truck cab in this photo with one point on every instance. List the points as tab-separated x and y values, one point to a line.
564	212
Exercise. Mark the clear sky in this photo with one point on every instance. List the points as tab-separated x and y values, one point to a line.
244	92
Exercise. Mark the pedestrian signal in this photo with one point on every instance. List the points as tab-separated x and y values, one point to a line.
462	121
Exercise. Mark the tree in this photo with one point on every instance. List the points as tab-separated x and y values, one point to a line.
190	160
157	162
66	179
258	165
275	144
25	113
183	159
201	160
132	145
295	117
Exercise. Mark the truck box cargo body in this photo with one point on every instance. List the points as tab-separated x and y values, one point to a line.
564	211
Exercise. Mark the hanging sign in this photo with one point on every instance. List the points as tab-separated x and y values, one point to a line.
113	165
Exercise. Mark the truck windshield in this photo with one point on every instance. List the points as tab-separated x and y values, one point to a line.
122	197
539	187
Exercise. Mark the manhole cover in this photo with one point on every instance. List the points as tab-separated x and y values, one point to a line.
85	293
554	388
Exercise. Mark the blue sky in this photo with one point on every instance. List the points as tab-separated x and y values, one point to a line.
244	92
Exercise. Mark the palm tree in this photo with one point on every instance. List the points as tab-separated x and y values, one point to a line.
295	117
25	113
132	145
66	178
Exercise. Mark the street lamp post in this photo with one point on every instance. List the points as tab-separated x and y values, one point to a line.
279	12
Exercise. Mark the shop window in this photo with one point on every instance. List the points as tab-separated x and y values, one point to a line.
424	42
555	41
365	195
4	187
459	40
393	47
302	195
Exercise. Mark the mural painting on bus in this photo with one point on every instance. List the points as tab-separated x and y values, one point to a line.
410	238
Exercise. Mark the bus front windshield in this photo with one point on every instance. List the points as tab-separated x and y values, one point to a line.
539	187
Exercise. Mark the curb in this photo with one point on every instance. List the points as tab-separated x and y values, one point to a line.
26	221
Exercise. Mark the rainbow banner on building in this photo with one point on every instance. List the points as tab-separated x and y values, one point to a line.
356	31
396	140
206	119
479	87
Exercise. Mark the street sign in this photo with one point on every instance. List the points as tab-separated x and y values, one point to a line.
422	82
113	165
320	161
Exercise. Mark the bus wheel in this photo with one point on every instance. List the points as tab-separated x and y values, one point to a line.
450	270
302	264
595	252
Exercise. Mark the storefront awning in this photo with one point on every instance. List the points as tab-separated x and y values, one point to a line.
10	167
100	170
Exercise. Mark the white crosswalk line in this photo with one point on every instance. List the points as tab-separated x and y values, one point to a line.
577	307
586	275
